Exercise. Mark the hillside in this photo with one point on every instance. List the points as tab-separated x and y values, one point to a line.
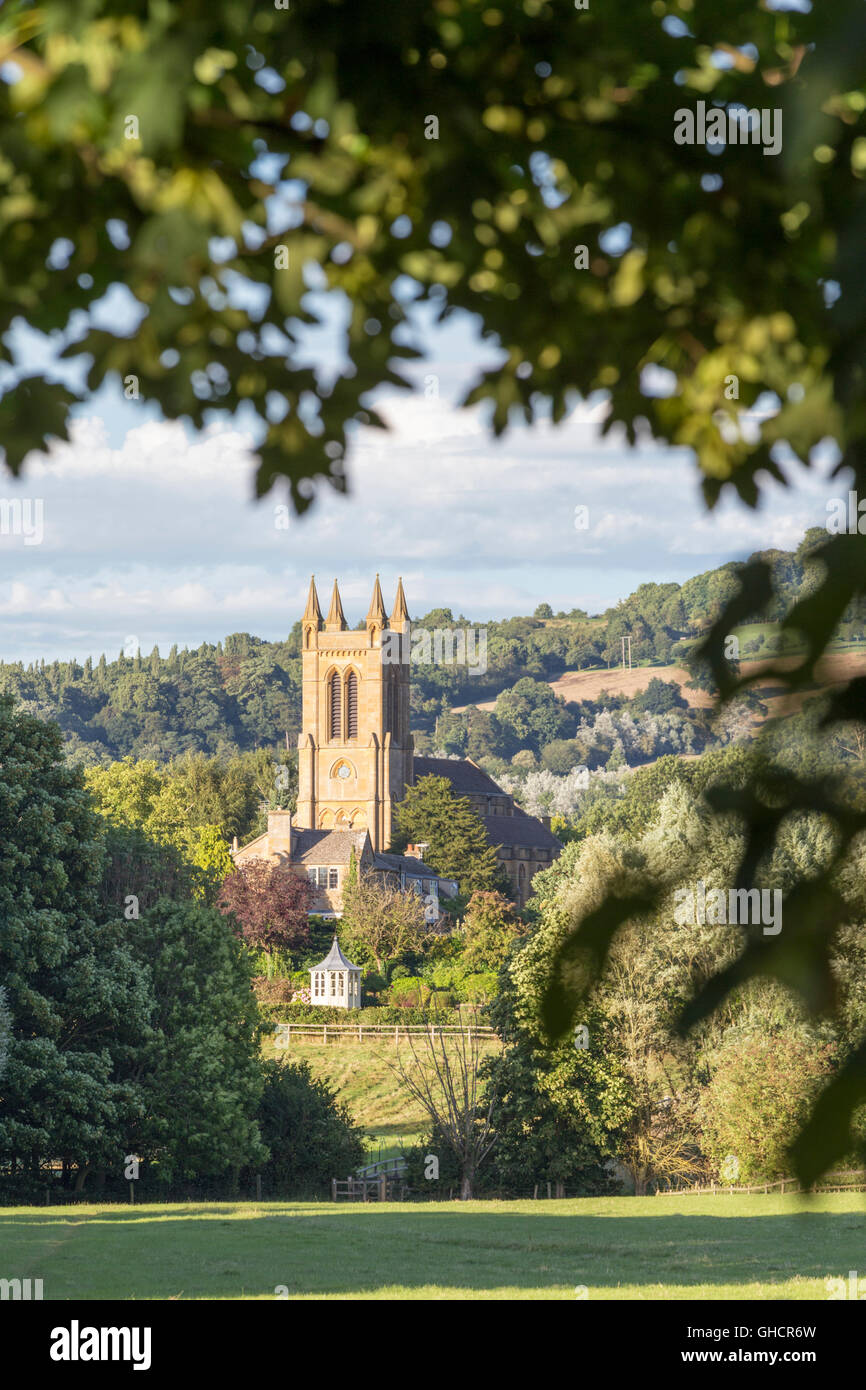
243	694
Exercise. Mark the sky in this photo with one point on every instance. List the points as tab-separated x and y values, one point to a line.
150	534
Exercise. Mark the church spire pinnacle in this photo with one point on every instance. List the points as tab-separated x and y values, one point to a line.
312	612
336	620
400	613
377	616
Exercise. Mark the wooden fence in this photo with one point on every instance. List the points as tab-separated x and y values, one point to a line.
387	1167
378	1189
372	1032
782	1185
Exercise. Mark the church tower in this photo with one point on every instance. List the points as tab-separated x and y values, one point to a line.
355	748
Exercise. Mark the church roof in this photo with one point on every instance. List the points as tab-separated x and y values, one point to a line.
520	830
326	846
464	775
335	960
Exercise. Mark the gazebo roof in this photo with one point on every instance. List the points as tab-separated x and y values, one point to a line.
335	960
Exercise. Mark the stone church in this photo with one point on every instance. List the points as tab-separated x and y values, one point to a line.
355	759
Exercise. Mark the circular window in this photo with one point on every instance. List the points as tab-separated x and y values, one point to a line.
344	770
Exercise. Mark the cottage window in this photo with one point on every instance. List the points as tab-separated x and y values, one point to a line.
332	878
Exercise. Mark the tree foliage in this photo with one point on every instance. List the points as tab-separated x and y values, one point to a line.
432	814
760	1093
269	903
310	1135
381	922
519	139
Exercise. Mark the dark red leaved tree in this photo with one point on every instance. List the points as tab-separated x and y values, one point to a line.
269	904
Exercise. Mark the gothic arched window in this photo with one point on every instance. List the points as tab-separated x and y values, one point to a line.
352	705
334	722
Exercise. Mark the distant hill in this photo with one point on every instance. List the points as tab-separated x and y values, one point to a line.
244	693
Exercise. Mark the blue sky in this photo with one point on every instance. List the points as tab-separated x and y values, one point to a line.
152	534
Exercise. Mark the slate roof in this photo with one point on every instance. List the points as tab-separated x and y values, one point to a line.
464	775
520	829
335	960
405	863
326	846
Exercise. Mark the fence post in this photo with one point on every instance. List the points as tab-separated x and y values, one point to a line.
383	1188
333	1189
396	1035
535	1193
325	1026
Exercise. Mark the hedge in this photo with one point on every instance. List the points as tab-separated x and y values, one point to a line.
390	1013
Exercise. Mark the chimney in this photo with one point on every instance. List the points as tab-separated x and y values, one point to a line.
280	832
415	851
234	844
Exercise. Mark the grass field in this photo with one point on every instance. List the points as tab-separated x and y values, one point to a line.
751	1247
360	1074
843	662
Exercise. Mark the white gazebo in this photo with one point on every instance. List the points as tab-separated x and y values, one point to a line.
336	981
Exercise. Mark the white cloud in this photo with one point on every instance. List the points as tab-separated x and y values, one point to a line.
160	535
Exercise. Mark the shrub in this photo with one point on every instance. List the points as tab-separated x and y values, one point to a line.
409	993
275	991
478	989
386	1013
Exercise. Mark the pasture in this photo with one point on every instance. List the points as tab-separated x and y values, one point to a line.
623	1248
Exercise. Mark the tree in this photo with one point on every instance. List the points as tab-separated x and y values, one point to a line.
561	1110
183	108
270	904
78	999
444	1079
543	610
197	1063
489	929
381	922
309	1133
456	842
5	1031
659	698
533	715
759	1094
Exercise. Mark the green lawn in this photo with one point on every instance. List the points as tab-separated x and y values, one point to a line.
360	1074
752	1247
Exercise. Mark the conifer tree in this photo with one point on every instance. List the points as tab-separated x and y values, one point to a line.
456	841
